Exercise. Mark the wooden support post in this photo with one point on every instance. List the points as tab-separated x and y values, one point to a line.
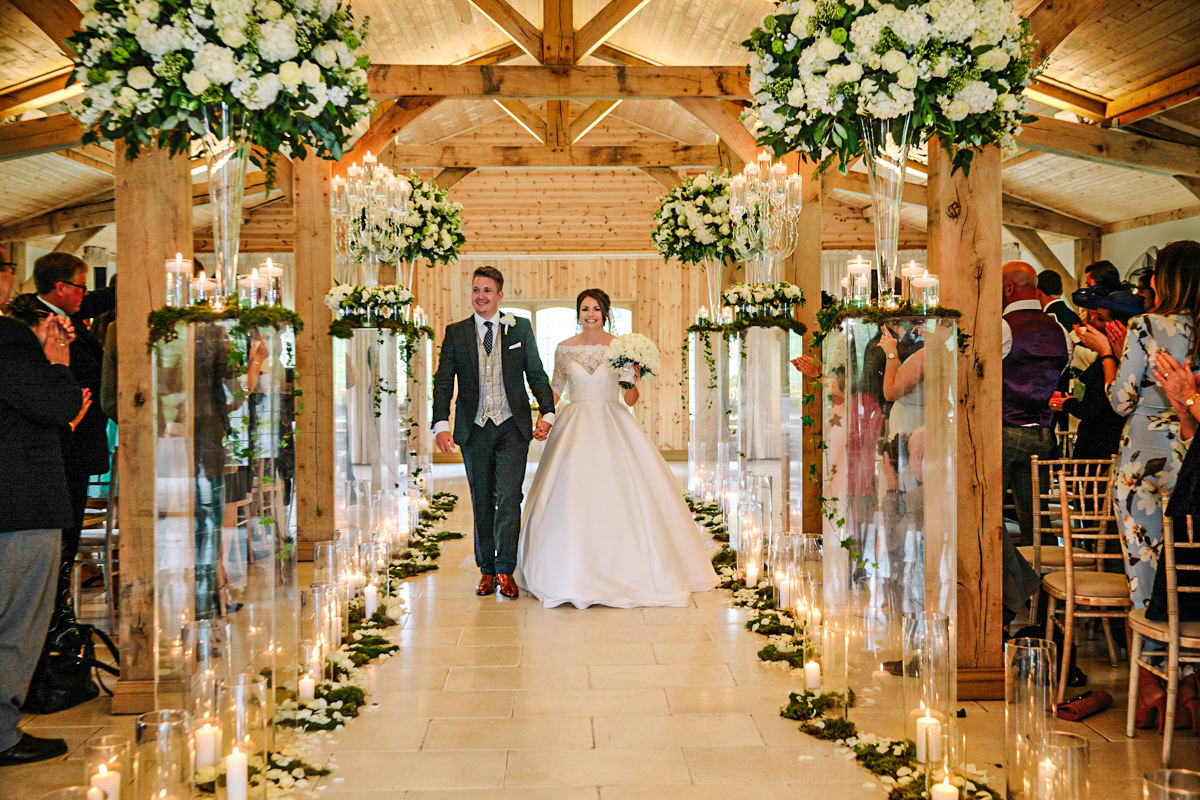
964	251
803	268
1087	252
154	221
314	353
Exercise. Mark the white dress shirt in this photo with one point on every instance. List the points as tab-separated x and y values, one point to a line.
1006	331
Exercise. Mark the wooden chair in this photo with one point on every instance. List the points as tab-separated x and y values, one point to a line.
97	547
1047	517
1084	588
1182	638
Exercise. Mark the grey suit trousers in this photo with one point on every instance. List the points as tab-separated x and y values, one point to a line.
494	457
28	575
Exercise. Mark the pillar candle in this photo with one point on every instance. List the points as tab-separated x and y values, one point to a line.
307	689
370	600
107	782
812	676
237	775
929	731
208	745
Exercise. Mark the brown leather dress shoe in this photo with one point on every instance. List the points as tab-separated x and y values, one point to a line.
508	587
487	585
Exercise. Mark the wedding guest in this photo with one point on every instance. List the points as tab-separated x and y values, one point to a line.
1151	449
1103	273
8	276
1035	350
38	397
1100	427
1049	294
61	282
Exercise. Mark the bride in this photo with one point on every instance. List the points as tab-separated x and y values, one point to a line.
605	522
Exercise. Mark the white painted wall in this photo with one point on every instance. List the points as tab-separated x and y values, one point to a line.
1122	248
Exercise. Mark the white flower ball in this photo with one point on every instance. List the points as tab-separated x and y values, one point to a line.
147	9
140	78
852	72
894	61
795	97
270	10
702	183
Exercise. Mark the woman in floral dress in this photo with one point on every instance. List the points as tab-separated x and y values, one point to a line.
1151	449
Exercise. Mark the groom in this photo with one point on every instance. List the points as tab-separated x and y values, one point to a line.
492	356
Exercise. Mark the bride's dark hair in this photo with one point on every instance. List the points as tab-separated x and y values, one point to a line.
600	296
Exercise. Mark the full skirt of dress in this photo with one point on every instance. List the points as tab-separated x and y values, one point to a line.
605	521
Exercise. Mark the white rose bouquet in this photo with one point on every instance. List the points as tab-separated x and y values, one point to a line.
629	351
383	301
433	229
292	69
692	224
771	298
958	66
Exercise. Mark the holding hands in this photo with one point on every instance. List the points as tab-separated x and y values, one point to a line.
541	430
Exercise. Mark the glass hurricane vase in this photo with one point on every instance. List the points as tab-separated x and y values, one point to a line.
887	143
225	146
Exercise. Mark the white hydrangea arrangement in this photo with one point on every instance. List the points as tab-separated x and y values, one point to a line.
630	350
779	295
433	230
350	300
958	66
692	223
292	68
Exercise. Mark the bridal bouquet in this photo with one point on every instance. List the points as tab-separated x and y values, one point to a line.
957	66
291	68
433	229
692	224
632	350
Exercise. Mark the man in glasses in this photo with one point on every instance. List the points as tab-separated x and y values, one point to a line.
61	283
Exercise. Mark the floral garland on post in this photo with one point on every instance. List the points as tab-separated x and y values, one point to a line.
822	714
958	66
292	69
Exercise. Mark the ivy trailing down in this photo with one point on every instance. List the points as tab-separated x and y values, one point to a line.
729	331
162	322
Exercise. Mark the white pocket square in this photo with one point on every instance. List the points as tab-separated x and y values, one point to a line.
514	346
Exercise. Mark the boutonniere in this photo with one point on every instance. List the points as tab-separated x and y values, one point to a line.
507	320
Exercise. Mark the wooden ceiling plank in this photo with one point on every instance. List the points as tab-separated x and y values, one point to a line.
616	55
524	116
590	117
494	157
1053	20
523	33
724	123
88	161
556	81
1042	252
28	138
1108	146
607	21
1021	158
668	177
58	19
452	175
1179	84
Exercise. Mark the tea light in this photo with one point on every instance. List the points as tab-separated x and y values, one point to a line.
929	738
862	290
1047	777
237	775
202	288
208	745
943	791
727	314
858	266
370	600
273	275
909	271
109	782
845	284
253	284
812	676
177	271
702	314
752	573
306	689
95	793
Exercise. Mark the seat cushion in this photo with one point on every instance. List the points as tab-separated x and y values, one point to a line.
1189	632
1052	556
1102	586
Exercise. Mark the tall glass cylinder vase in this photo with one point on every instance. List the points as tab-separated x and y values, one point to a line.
420	412
928	681
225	462
226	150
708	388
371	403
890	485
1029	691
164	756
886	155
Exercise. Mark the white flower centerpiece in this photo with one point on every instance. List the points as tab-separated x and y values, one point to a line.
432	231
692	225
764	299
286	76
632	350
368	302
843	78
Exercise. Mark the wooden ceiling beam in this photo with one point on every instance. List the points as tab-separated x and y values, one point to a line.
607	21
616	55
590	117
394	119
724	122
668	177
1067	98
523	33
497	55
1145	220
34	136
1182	87
88	161
58	19
1106	146
1025	214
1036	245
53	87
858	183
524	116
452	175
1021	158
558	47
1191	184
1053	20
71	242
556	81
499	157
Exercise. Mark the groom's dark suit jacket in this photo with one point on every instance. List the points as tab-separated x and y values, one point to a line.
519	361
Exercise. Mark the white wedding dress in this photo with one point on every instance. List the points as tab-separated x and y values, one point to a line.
605	522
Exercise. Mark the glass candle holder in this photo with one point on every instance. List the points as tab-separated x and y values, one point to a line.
208	660
1063	771
807	598
924	290
75	793
1171	784
164	756
106	764
327	566
178	270
1029	690
749	554
951	748
928	680
246	723
786	577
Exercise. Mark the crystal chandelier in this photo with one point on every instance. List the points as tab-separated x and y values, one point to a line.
369	208
764	206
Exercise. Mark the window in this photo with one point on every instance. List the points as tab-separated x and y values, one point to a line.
554	320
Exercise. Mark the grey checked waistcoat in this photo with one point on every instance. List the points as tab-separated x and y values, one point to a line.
493	402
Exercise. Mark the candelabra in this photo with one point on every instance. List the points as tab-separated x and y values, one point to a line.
764	206
369	208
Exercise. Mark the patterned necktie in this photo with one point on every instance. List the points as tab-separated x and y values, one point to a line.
487	338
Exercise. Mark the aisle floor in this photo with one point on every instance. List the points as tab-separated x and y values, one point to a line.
504	697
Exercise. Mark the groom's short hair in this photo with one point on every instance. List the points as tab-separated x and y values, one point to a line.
488	271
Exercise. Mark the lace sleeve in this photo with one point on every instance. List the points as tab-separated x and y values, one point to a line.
559	382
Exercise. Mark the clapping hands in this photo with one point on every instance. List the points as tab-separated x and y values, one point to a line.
1175	379
809	366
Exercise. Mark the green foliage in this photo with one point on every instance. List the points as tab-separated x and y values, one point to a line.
163	322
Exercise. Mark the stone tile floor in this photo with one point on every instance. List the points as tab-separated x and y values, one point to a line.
508	698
